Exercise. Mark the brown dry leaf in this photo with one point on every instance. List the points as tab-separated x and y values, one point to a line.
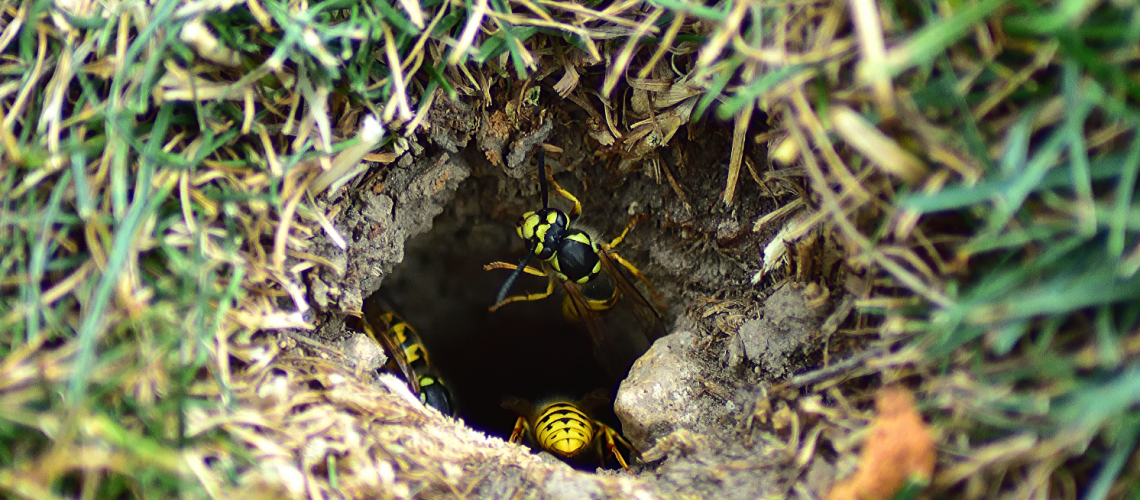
899	447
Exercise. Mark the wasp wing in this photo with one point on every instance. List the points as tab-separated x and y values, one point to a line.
520	406
378	319
615	347
592	401
648	317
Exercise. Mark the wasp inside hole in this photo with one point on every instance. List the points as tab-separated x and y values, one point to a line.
593	277
566	429
406	354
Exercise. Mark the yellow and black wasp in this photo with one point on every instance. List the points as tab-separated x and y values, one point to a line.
592	275
566	429
406	354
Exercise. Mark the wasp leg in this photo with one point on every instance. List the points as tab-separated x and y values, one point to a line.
625	443
577	209
570	311
531	270
628	227
660	303
602	305
611	446
520	428
528	297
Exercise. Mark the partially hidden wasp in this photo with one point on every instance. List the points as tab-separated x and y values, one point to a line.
406	354
592	275
565	428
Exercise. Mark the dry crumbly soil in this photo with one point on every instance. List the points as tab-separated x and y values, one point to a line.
420	229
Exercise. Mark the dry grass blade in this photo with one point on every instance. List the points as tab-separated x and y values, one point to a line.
618	69
400	96
872	143
873	47
474	20
415	13
736	156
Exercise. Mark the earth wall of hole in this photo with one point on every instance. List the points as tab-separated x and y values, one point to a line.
420	230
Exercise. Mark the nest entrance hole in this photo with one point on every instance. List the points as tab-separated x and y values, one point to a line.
526	350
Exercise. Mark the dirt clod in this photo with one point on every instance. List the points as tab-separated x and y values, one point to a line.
658	395
377	226
366	353
782	331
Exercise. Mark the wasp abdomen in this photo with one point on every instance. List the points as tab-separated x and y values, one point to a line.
434	394
563	429
408	355
409	342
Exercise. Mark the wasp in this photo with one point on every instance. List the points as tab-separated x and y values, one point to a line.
566	429
407	355
593	277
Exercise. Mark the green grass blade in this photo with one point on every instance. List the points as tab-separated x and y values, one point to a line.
1123	200
145	200
748	94
38	259
936	37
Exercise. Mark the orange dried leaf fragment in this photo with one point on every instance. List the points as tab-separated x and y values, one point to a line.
899	448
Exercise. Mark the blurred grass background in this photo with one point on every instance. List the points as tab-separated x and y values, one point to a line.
977	159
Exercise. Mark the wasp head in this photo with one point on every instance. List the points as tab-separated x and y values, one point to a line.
543	231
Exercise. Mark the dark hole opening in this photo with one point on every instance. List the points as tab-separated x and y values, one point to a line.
526	350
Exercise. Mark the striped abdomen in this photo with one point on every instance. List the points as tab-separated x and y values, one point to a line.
563	429
409	342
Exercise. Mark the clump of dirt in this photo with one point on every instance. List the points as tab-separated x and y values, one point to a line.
781	335
376	218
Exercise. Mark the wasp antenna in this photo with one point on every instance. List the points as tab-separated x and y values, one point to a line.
506	288
542	175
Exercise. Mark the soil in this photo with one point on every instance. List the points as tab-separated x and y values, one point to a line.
420	230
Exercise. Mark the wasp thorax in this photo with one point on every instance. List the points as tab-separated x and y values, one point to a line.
543	231
577	257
